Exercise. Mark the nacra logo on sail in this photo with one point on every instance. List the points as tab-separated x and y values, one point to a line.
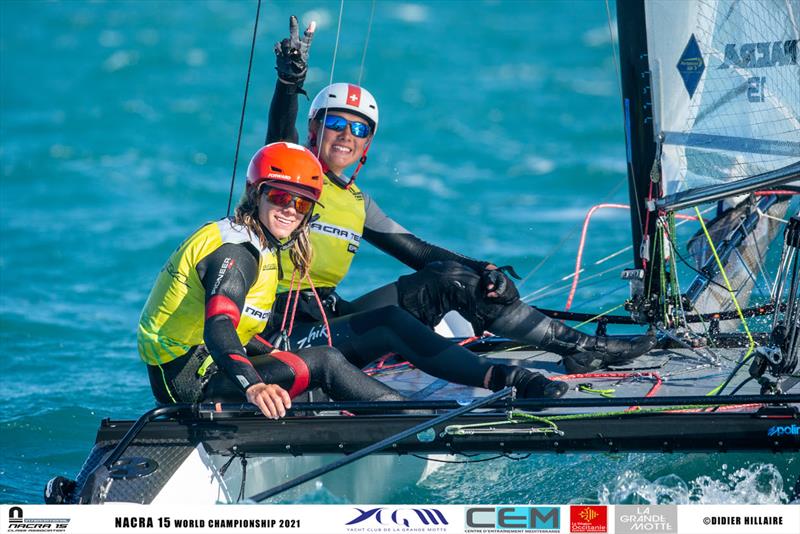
757	55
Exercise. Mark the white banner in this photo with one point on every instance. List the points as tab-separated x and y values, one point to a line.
408	519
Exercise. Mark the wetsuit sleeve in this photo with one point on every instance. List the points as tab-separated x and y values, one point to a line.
393	239
283	114
227	275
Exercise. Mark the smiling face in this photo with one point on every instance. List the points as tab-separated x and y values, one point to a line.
339	150
280	222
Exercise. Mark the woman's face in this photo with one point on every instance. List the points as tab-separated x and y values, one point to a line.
280	221
340	149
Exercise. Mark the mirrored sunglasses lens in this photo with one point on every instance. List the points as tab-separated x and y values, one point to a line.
333	122
302	205
279	198
359	129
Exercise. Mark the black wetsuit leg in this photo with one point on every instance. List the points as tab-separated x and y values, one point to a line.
377	298
363	337
326	367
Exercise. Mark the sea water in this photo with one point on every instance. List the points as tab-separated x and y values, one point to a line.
500	126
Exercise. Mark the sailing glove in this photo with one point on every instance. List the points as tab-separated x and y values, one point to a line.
496	281
291	56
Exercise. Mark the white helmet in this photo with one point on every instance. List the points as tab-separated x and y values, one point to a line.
346	97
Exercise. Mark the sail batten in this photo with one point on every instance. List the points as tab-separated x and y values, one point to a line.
733	144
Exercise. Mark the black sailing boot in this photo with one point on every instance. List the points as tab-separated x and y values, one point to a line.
529	384
582	353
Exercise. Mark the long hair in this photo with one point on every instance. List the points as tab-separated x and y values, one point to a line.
246	214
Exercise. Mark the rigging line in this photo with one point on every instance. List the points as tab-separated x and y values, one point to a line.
561	288
599	315
244	106
689	265
366	43
759	257
617	290
582	243
756	284
330	78
561	243
768	216
674	275
684	220
751	347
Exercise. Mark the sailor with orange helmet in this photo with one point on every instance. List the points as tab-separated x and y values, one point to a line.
198	332
342	122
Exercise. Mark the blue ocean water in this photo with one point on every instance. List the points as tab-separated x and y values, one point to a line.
500	126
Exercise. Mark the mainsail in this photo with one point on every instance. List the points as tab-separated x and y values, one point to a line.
726	88
721	86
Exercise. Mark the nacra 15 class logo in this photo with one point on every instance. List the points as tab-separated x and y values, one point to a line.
17	522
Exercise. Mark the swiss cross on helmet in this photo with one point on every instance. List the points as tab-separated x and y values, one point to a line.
286	166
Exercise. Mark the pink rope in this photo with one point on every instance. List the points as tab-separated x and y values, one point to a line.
288	301
580	248
618	374
321	309
294	307
775	192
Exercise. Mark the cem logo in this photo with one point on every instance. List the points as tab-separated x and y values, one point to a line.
18	523
528	518
401	517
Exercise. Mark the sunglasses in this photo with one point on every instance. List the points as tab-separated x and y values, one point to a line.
284	199
338	124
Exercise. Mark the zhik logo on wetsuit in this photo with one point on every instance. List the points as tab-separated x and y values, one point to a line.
317	332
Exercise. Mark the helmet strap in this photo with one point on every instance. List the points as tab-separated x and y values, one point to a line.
361	163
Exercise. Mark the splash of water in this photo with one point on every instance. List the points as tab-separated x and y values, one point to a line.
756	484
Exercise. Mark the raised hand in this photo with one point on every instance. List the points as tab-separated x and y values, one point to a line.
291	54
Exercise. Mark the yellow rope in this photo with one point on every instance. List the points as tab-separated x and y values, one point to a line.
599	315
730	290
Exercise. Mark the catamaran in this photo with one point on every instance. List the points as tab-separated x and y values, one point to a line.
711	108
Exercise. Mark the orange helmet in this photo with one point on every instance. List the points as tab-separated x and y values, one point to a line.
286	166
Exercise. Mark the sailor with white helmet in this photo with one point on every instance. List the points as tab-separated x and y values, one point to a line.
342	123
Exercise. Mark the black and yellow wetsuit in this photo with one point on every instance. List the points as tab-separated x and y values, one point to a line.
198	332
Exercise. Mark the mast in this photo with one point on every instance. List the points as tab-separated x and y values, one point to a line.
638	116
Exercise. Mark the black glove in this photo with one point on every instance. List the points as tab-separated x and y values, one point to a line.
498	287
291	55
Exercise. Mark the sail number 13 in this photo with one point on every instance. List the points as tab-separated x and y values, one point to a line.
755	88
